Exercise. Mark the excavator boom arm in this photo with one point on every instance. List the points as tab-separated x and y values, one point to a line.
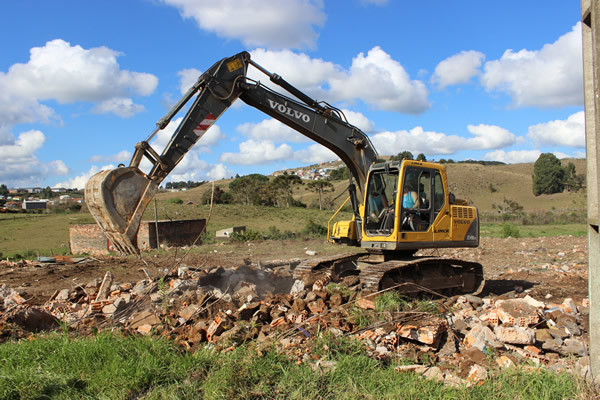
118	198
226	81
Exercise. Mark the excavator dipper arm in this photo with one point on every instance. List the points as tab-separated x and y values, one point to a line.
118	198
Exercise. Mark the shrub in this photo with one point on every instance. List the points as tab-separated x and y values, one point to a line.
510	230
313	229
175	200
246	236
275	234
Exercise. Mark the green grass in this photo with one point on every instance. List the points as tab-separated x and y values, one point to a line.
498	230
46	234
30	234
116	367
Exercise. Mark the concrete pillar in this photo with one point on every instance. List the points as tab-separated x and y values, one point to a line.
590	17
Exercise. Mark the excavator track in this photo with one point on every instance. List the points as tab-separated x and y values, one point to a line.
410	276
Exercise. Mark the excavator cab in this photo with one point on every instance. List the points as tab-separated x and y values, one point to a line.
407	207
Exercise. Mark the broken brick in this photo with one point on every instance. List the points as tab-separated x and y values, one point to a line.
214	329
104	289
366	304
317	306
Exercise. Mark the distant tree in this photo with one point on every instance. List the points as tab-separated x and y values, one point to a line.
421	157
405	155
548	175
47	193
281	188
219	197
339	174
572	181
320	187
3	190
249	189
508	209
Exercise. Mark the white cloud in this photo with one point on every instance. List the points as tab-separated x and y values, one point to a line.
80	181
271	130
569	132
375	79
270	23
192	168
513	157
458	69
24	146
121	157
293	68
359	120
417	140
550	77
315	154
20	166
254	152
123	107
220	171
188	78
68	73
489	137
379	80
15	109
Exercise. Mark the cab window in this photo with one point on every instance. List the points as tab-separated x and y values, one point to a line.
381	194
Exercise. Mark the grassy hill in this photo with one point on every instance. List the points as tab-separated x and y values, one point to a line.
482	185
48	234
512	181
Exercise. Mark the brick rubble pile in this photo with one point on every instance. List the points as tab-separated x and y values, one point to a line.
462	340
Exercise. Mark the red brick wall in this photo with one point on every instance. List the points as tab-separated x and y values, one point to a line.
88	238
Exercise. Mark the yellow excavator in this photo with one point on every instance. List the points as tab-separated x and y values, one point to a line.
399	207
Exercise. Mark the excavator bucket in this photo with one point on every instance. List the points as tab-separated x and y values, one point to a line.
117	199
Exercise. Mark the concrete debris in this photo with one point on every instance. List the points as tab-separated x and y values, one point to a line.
223	308
9	298
514	335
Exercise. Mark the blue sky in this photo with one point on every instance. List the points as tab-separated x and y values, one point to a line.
81	82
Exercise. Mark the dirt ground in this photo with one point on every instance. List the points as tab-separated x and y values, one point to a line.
547	268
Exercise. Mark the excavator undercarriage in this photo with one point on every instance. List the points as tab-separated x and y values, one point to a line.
408	276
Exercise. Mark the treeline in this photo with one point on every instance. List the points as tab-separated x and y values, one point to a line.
183	185
257	189
407	155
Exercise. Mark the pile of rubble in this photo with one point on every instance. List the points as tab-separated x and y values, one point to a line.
458	340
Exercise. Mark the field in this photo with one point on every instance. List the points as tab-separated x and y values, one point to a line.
33	234
80	358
